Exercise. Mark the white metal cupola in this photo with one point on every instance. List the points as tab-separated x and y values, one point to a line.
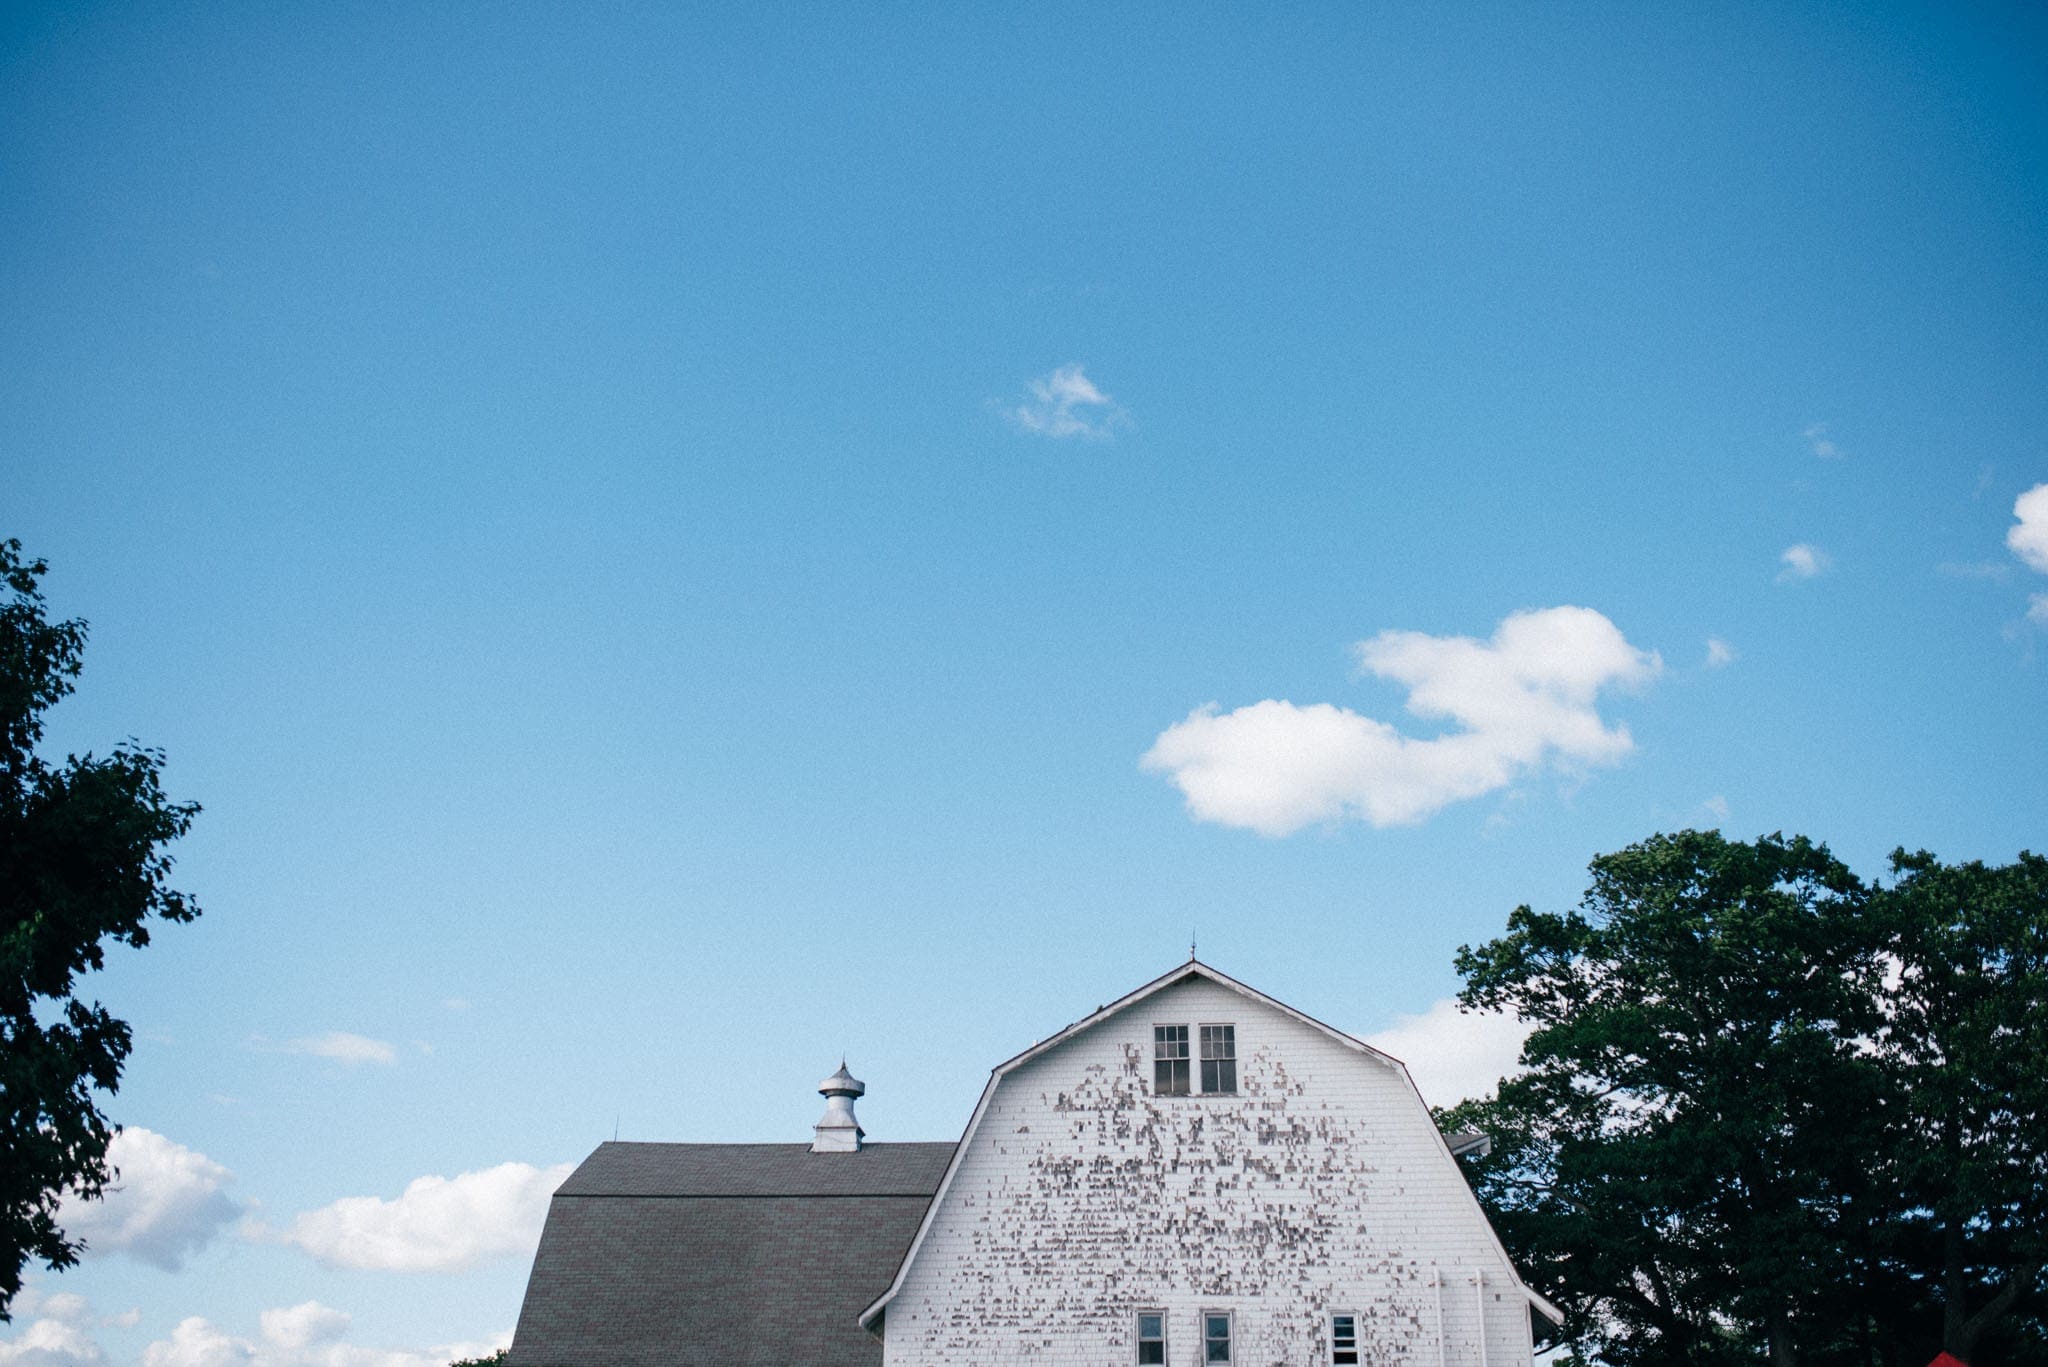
838	1131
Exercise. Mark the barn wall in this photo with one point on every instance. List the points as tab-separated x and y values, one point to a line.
1320	1187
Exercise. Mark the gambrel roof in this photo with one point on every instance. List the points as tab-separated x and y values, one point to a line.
1192	969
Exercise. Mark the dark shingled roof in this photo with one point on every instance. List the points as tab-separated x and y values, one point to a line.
747	1255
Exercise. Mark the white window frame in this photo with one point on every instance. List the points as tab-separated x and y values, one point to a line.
1138	1334
1202	1057
1335	1348
1229	1319
1194	1077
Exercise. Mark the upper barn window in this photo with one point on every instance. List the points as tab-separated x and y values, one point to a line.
1219	1058
1170	1060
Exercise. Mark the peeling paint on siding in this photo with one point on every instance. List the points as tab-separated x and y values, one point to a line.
1319	1187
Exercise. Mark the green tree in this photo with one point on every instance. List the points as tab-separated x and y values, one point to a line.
1770	1111
82	865
1964	1047
1677	1164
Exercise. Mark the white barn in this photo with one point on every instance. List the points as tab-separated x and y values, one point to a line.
1194	1174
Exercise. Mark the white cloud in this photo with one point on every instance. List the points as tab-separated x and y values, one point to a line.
2037	609
1066	403
1802	561
196	1342
60	1335
306	1335
343	1047
303	1325
1717	807
2027	538
1719	653
1817	437
1523	698
438	1224
51	1343
1454	1055
165	1203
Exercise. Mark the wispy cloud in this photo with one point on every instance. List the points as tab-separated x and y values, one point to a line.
1719	653
1716	807
1523	699
342	1047
166	1202
1066	403
1802	561
437	1224
1973	569
1817	438
2037	609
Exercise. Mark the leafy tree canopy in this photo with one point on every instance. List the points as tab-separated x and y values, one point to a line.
1771	1110
82	865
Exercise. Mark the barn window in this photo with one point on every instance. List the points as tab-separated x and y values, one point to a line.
1151	1336
1170	1060
1219	1058
1216	1336
1343	1339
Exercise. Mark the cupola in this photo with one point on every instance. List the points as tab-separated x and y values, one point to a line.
838	1131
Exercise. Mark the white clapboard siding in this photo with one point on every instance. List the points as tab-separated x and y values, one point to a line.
1080	1198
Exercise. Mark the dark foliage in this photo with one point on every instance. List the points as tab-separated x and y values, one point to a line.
82	865
1770	1111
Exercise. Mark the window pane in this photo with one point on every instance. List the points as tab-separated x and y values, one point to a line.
1219	1041
1216	1338
1226	1075
1151	1339
1170	1060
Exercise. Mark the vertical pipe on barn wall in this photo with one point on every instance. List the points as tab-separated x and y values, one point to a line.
1436	1283
1479	1313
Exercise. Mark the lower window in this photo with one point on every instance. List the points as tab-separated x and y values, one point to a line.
1343	1339
1151	1336
1216	1336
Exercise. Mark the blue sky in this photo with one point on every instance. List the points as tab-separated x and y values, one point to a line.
566	489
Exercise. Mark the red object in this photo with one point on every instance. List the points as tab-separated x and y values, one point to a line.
1947	1360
